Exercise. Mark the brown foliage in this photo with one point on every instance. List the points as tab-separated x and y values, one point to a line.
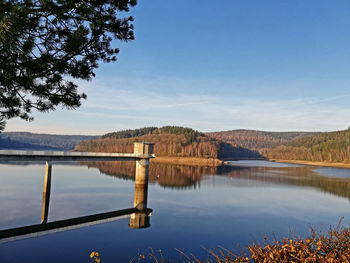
168	144
165	145
332	247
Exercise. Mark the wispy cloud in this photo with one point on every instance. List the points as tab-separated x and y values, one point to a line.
210	113
109	109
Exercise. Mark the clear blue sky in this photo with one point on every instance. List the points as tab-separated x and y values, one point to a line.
219	65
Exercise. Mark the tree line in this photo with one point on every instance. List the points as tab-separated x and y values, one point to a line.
189	133
171	141
323	147
255	140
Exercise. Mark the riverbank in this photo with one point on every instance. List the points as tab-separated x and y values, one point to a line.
330	246
188	161
326	164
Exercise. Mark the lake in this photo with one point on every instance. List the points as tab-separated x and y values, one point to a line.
194	208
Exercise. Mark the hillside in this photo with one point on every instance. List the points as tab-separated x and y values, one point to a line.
324	147
255	140
168	141
34	141
129	133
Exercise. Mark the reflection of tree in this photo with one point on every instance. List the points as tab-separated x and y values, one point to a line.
166	175
186	176
298	176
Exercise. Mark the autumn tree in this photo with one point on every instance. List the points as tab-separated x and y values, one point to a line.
44	45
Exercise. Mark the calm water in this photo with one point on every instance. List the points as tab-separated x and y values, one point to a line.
193	207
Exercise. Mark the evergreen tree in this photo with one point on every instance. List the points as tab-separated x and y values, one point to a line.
43	42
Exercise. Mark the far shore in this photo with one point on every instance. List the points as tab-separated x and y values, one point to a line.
326	164
188	160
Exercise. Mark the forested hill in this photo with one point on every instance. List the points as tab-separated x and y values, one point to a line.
255	140
34	141
129	133
171	141
323	147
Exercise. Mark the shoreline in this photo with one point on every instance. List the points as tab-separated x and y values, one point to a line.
188	161
324	164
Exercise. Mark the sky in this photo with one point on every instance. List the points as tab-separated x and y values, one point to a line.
275	65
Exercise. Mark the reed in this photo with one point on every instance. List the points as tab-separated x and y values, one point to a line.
331	246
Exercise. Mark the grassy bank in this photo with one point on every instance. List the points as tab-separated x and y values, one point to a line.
188	161
332	246
326	164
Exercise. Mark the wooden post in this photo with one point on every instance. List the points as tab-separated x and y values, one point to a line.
46	193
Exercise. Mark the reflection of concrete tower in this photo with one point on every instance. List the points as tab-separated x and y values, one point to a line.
141	184
141	219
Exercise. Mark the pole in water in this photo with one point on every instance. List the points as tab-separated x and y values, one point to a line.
46	193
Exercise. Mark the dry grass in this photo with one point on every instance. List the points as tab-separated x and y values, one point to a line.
332	246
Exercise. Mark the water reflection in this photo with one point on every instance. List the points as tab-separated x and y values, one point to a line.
46	193
305	176
169	176
139	215
139	220
166	175
195	206
188	177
